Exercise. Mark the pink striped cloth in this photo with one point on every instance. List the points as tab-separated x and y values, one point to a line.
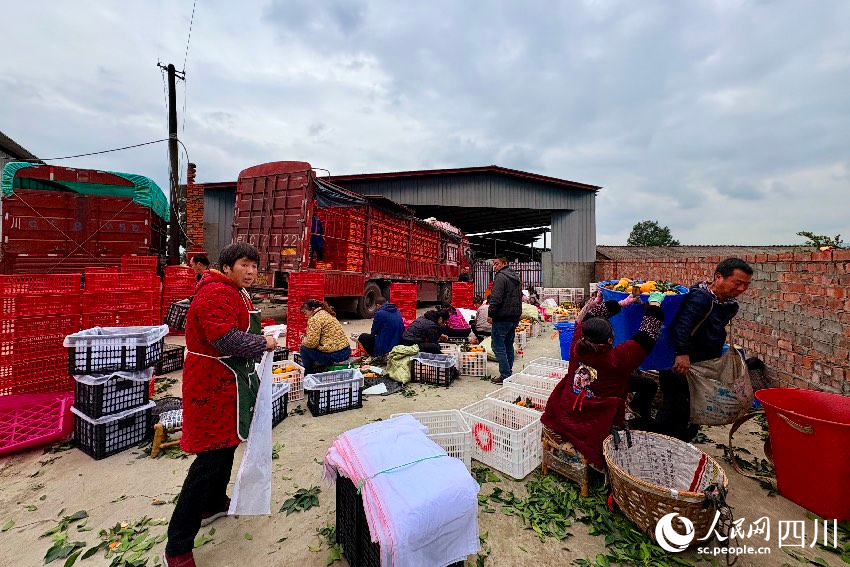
423	509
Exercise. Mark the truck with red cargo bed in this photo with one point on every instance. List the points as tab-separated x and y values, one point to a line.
300	222
62	219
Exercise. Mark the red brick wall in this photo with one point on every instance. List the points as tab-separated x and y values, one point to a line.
195	216
795	316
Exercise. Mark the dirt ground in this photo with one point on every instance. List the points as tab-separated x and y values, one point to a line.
125	487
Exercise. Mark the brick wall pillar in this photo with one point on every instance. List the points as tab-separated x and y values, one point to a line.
194	212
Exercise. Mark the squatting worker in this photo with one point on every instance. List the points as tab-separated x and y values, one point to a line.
504	312
698	333
325	342
220	386
199	264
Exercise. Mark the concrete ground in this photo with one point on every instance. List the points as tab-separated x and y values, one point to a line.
37	488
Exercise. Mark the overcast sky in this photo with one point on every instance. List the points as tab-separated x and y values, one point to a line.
728	121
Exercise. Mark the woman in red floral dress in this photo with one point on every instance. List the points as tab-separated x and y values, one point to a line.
219	389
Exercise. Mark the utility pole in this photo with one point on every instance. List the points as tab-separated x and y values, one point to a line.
174	225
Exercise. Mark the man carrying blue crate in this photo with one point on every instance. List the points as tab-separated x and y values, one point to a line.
504	312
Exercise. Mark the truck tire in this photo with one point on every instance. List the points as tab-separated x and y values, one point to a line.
366	307
445	294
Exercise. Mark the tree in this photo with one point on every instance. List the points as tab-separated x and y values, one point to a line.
650	233
818	240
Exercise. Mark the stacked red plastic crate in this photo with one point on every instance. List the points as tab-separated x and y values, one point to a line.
344	231
36	313
118	300
178	284
387	235
141	264
302	286
404	295
462	294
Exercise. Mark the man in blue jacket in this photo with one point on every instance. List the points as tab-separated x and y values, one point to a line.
387	327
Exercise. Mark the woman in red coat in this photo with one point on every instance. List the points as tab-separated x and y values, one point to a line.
591	399
219	391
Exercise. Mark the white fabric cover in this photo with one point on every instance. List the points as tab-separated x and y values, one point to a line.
425	513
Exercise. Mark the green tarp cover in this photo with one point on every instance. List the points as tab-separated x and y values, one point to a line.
144	191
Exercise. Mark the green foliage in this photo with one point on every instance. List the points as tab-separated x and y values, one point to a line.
818	240
304	499
650	233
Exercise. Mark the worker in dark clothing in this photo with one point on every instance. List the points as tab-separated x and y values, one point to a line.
317	240
425	332
199	264
387	328
698	333
505	311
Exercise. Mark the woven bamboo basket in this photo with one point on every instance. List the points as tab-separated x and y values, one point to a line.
659	475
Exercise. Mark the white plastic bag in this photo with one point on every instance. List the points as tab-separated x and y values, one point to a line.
252	491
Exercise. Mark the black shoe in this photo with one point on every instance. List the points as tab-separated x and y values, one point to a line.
497	379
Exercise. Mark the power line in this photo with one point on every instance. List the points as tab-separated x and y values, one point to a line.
97	153
191	21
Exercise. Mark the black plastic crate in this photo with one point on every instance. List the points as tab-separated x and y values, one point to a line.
175	317
108	349
102	440
115	395
172	359
282	353
296	358
352	530
435	375
280	409
324	402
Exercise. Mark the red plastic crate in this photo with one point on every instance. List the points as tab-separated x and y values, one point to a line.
101	270
104	301
33	420
40	304
19	327
101	281
32	348
39	284
32	376
146	264
462	294
121	318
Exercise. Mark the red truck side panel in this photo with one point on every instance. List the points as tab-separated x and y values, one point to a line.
63	232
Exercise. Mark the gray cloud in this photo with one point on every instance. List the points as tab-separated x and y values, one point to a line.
728	121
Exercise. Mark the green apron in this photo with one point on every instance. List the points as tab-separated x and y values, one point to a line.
247	382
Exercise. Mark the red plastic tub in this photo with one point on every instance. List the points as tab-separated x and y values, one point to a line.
810	439
32	420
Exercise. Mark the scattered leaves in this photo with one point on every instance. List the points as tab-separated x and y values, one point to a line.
276	450
303	499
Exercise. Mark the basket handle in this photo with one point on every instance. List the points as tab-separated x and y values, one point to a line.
733	458
805	429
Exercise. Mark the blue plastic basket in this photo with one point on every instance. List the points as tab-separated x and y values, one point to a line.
565	335
627	323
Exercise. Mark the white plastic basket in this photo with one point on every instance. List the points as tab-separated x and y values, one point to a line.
547	371
505	436
521	340
512	394
556	362
536	329
449	430
532	381
295	378
171	419
449	348
472	363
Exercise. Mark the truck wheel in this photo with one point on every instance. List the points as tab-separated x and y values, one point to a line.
445	294
366	307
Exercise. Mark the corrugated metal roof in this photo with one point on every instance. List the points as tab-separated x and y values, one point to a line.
649	252
11	147
483	169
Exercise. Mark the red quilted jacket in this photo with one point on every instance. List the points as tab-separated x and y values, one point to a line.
209	387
